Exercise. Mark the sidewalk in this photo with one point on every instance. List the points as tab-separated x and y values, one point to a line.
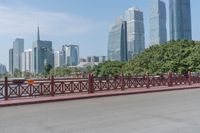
78	96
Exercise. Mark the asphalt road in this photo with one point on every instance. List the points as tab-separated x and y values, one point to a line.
166	112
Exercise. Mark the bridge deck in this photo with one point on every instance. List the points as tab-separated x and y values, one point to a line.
167	112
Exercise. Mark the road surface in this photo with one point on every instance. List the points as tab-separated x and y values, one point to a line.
165	112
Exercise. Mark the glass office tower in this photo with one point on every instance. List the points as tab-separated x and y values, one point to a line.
11	60
42	54
117	42
158	29
18	49
26	61
71	55
180	20
135	31
3	69
58	59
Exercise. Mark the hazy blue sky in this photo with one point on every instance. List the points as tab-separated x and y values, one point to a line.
82	22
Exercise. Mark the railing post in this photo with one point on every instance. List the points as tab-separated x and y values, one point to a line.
147	80
122	82
90	83
170	82
6	88
189	78
52	86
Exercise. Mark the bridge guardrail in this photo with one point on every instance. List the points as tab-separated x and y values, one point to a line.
10	88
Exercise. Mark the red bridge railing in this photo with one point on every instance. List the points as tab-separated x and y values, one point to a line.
57	86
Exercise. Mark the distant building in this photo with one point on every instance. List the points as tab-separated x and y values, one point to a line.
87	64
58	59
82	60
135	31
117	42
89	59
26	61
71	55
3	69
180	20
92	59
18	49
42	54
97	59
102	59
11	60
158	29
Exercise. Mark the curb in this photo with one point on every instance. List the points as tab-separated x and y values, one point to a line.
122	93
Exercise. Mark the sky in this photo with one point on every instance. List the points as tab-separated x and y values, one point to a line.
81	22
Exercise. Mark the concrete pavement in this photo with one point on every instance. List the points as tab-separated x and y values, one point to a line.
166	112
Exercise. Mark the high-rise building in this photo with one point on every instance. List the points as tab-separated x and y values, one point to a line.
2	69
71	55
58	59
23	61
135	31
180	20
26	61
18	49
42	54
117	42
11	60
158	30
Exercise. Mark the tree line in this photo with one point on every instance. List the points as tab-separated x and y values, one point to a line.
175	56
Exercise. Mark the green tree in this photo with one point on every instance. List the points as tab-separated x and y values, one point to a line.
60	71
17	73
47	69
109	68
176	56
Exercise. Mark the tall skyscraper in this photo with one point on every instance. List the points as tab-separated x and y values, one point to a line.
71	55
11	60
18	49
23	61
58	59
158	30
117	42
42	54
3	69
180	20
135	31
26	61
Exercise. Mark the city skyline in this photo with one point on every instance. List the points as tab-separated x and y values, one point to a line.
90	43
41	55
